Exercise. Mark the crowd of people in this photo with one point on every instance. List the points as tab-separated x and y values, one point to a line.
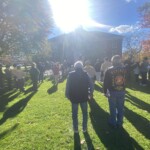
113	74
15	76
81	79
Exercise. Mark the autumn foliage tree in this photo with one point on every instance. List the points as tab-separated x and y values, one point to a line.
145	23
145	15
24	25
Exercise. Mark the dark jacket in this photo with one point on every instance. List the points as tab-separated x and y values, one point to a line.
8	73
144	67
78	86
34	73
97	66
114	79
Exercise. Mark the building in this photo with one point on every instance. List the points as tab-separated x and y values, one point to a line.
88	44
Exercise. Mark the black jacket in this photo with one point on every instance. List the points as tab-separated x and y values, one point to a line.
78	86
34	73
114	79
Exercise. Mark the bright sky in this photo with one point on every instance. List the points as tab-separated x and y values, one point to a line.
69	14
117	16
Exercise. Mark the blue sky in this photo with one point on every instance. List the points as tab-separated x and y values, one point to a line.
116	12
114	16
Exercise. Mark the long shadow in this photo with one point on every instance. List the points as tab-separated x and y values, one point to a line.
29	90
113	139
98	88
135	86
139	122
53	89
62	79
6	99
3	134
77	145
16	108
101	84
88	140
8	93
138	103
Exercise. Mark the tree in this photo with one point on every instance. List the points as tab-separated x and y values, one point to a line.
132	44
145	52
145	15
24	25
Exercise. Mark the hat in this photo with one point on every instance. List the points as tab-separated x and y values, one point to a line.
78	64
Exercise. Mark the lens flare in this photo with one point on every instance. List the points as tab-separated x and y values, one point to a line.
70	14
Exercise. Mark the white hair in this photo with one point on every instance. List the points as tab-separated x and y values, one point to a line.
78	64
116	60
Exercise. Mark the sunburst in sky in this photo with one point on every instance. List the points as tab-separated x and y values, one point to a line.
69	14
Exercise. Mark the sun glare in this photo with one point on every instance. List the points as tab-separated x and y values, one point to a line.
70	14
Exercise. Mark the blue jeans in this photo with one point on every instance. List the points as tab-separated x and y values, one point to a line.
116	105
84	109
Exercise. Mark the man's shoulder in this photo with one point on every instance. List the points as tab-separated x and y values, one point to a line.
72	72
119	68
110	68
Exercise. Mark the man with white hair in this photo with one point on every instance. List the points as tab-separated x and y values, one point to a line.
114	89
78	90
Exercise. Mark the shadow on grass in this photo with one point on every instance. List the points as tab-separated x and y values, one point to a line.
88	140
113	139
53	89
16	108
3	134
77	145
62	79
138	103
136	86
98	88
29	90
139	122
6	99
8	93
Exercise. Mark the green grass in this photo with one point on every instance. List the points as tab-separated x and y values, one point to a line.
42	121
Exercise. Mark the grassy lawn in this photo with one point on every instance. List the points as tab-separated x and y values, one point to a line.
42	121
